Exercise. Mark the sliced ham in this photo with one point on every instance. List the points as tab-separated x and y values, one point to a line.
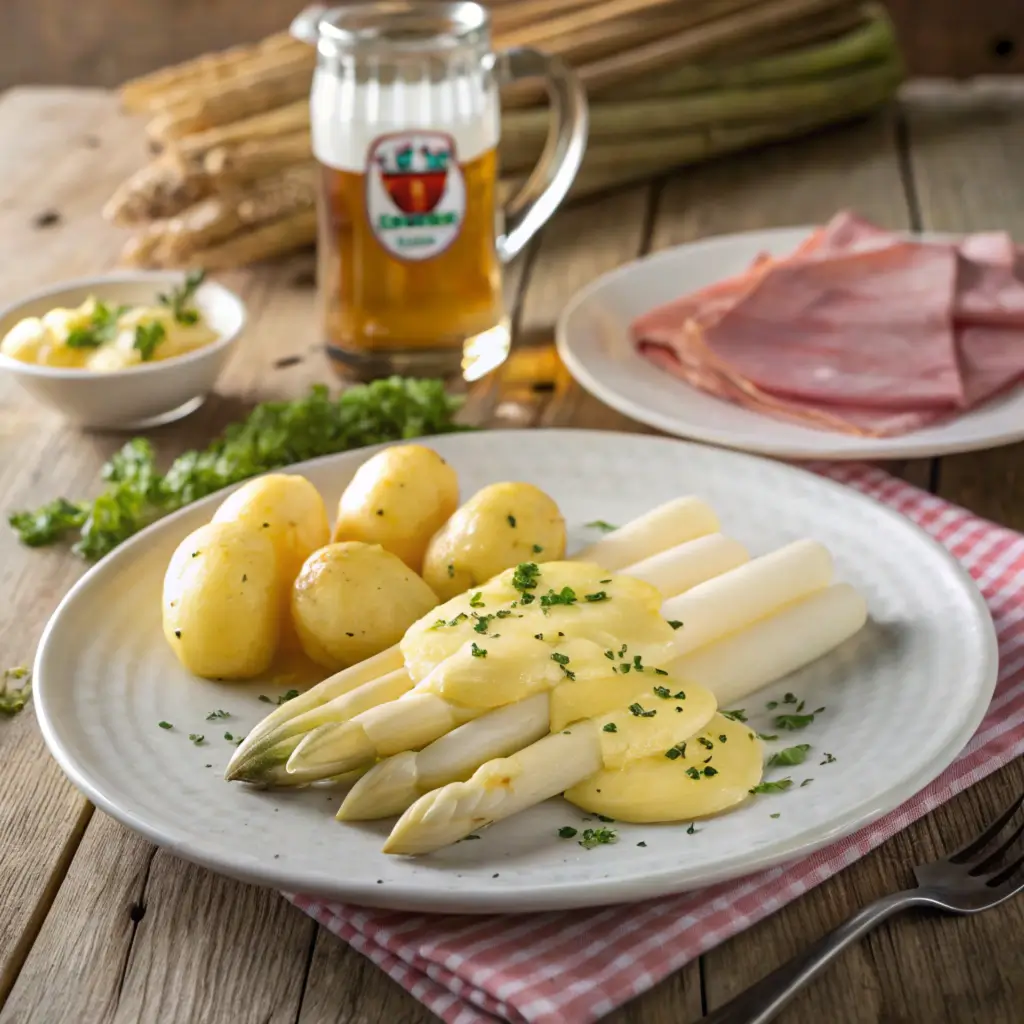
858	330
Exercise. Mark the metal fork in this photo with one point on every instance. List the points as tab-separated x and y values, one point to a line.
965	882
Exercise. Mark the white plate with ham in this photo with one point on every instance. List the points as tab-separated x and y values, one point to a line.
842	342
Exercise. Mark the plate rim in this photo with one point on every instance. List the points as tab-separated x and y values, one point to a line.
473	898
901	447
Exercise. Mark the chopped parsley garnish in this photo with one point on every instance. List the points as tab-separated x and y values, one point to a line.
438	624
165	725
772	705
673	753
538	636
641	843
178	299
767	737
792	722
625	667
829	759
639	712
511	521
504	613
622	651
196	738
675	623
789	698
739	715
773	787
229	737
662	691
806	782
478	652
525	577
610	655
177	634
598	837
604	818
660	672
600	524
566	596
466	839
214	715
790	756
694	773
599	596
147	337
709	771
777	814
693	830
566	832
100	328
480	626
610	727
477	600
461	617
722	737
451	570
287	696
638	663
705	743
800	706
562	659
135	493
537	549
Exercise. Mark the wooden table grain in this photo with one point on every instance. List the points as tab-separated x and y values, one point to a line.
96	925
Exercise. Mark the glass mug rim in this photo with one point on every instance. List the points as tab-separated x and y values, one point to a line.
404	26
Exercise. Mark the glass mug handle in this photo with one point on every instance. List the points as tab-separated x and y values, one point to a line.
528	210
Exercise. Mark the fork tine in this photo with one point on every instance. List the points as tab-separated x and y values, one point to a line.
992	860
1007	873
979	843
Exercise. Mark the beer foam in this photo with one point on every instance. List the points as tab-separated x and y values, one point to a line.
348	116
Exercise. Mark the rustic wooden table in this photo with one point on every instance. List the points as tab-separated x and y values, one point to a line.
98	925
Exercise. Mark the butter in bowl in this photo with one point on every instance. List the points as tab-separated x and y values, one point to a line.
125	350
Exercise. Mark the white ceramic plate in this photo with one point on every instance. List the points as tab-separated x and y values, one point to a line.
902	698
593	341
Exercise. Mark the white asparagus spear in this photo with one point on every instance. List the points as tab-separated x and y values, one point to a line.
774	647
498	790
689	564
395	783
324	692
409	723
664	527
742	596
272	750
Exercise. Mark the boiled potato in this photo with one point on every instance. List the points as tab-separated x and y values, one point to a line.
289	509
399	499
498	527
221	602
352	600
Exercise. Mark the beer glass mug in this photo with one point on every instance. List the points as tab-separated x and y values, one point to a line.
405	126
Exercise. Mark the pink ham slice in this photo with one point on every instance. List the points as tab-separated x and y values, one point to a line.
857	331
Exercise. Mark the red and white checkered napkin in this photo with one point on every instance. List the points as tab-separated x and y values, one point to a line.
573	967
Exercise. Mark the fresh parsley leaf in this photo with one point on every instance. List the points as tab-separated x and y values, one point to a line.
792	722
147	337
780	786
477	600
790	756
100	328
274	434
14	698
566	596
178	299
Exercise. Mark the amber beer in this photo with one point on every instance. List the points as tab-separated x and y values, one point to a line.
407	259
405	120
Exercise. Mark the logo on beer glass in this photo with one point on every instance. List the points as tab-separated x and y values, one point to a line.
415	193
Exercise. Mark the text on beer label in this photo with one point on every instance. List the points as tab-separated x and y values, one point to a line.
415	193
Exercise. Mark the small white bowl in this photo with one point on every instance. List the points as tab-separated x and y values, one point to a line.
139	396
